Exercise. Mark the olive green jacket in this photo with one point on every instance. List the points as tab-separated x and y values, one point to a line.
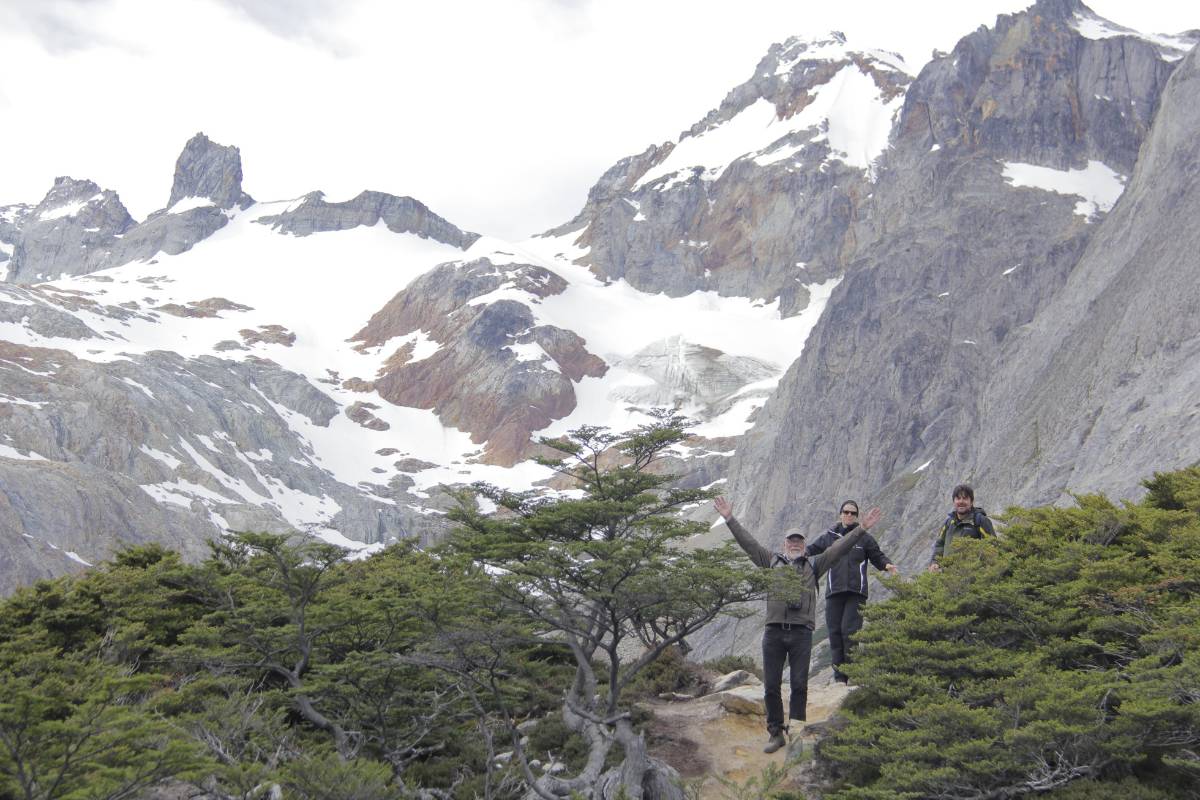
795	603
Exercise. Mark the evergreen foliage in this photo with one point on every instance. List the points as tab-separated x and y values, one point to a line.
277	665
273	663
1061	659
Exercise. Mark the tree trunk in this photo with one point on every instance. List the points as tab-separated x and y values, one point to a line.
639	777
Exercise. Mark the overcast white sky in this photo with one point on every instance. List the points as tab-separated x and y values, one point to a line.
498	114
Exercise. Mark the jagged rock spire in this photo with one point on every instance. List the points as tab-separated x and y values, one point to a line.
207	169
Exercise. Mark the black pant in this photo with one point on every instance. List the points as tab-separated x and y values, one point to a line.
843	618
794	646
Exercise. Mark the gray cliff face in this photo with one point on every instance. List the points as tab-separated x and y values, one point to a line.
1103	387
759	229
929	359
69	232
208	170
400	214
57	517
1033	89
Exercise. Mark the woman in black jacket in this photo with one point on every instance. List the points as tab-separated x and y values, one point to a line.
846	584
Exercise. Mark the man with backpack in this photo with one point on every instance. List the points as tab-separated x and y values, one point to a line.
964	520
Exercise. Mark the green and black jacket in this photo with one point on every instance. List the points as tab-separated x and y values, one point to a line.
975	526
794	603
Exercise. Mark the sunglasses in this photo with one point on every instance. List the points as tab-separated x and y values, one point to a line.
851	512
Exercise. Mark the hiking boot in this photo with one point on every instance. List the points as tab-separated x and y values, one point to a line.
776	742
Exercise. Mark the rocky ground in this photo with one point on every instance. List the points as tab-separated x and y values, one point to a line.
715	741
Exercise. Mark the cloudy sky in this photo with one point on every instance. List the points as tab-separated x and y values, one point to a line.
498	114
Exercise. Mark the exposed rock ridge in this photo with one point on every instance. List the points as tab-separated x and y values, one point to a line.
400	214
792	69
771	222
1033	89
78	228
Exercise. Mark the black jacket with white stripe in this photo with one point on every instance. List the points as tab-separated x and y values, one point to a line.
849	574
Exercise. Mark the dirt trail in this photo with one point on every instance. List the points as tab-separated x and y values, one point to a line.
702	739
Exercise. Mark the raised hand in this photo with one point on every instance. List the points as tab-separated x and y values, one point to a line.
871	518
723	507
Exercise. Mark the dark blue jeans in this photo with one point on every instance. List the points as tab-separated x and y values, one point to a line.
843	618
793	646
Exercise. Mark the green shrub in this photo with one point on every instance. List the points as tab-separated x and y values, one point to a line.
1067	650
670	672
726	664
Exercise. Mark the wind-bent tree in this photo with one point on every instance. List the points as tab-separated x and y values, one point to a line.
605	573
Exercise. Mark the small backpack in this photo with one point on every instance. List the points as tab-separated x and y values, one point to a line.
979	512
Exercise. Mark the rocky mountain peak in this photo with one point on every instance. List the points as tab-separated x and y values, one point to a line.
791	73
67	190
207	169
781	55
1089	89
67	233
694	214
69	197
1061	10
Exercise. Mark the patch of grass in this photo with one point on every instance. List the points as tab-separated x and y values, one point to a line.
726	664
671	672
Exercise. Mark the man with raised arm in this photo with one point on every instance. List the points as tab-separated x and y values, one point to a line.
791	617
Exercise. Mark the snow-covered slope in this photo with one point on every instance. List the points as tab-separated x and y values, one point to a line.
251	399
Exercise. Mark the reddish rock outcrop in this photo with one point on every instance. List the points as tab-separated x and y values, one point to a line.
481	379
